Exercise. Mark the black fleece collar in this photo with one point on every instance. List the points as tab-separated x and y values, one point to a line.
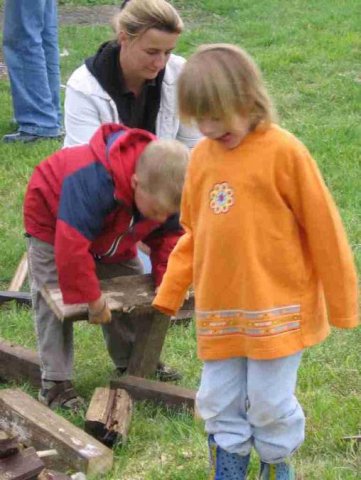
105	67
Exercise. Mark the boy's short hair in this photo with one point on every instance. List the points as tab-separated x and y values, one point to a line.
161	170
221	80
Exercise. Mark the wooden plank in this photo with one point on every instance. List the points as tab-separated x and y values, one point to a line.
9	444
172	396
23	465
353	438
19	364
22	298
124	294
44	429
150	336
109	415
52	475
20	274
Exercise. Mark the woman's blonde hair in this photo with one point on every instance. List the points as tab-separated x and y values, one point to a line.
138	16
222	80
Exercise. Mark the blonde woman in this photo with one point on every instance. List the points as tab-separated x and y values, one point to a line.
132	79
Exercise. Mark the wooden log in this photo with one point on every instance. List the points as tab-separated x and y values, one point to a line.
22	298
150	336
20	274
43	429
19	364
109	415
23	465
172	396
133	293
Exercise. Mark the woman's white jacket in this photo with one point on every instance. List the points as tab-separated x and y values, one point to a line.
87	106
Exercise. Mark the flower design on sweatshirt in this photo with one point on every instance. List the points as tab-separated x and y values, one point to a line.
221	198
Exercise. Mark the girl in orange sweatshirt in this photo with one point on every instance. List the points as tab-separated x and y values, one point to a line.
266	252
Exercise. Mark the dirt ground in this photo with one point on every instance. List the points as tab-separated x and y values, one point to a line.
82	15
74	15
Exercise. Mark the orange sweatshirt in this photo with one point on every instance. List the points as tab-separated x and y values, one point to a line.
264	248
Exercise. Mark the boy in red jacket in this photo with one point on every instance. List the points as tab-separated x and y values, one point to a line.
85	209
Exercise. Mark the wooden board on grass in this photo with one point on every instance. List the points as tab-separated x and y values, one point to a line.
167	394
42	428
23	465
19	364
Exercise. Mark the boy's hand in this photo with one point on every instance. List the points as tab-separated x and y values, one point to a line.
98	312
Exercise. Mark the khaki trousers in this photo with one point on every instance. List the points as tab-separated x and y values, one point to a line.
55	338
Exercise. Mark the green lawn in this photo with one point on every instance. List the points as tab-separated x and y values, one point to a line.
310	55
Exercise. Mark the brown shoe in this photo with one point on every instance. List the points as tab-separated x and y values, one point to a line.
60	394
163	372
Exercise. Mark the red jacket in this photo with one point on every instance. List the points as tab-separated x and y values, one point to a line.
80	200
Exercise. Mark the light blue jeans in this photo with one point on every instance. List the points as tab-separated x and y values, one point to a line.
31	52
145	260
251	403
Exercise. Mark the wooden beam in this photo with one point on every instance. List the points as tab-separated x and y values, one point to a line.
43	428
53	475
23	465
353	438
20	274
133	293
19	364
172	396
109	415
150	336
9	444
23	298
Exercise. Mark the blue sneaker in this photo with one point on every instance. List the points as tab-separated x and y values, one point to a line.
23	137
224	465
277	471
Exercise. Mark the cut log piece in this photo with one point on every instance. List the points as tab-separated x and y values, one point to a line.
20	274
109	415
159	392
19	364
44	429
23	465
125	294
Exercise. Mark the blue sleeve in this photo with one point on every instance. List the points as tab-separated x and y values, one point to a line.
87	197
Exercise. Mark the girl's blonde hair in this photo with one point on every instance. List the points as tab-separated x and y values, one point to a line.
138	16
222	80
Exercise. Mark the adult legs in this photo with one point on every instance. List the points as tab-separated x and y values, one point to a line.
24	25
51	50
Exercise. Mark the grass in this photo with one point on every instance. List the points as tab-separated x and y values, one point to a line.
309	53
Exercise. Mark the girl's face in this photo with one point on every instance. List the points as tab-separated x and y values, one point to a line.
229	136
145	56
